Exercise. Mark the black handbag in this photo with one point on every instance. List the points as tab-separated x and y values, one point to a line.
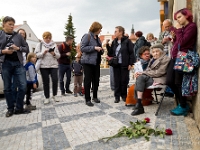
114	61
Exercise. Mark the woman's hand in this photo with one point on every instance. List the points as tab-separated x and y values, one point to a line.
52	53
129	67
107	41
97	48
35	86
173	34
137	74
45	52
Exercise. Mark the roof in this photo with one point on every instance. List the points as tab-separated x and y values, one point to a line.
17	26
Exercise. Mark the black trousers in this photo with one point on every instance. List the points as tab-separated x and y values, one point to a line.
121	76
174	81
53	72
29	91
91	76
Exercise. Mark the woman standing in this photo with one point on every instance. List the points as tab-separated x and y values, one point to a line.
140	41
91	59
124	47
48	54
186	38
11	47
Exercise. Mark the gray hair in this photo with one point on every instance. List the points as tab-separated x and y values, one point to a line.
156	48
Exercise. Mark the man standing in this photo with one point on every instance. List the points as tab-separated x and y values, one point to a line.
12	45
64	65
165	38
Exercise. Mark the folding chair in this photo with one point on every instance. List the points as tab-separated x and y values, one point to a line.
158	88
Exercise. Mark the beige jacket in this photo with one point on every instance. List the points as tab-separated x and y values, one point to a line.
47	60
158	69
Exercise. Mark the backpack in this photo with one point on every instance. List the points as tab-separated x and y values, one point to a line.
77	67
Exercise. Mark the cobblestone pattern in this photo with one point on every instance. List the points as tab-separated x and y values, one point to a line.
71	125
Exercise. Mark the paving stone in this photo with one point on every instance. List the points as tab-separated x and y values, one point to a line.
71	125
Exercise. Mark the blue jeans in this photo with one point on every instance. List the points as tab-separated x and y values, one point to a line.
64	69
10	70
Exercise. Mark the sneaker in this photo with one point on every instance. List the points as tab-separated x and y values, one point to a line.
55	98
89	103
80	93
9	113
187	107
21	111
30	107
75	95
46	101
179	111
69	92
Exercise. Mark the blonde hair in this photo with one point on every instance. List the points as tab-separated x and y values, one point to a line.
30	55
95	27
46	34
150	34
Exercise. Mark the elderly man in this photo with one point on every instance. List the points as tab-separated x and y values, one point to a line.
165	36
165	39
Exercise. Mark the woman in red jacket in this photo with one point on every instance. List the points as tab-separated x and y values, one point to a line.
186	38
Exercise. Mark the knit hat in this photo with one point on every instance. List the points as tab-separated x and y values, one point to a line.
158	45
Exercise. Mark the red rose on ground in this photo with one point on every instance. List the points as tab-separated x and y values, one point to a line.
147	120
168	132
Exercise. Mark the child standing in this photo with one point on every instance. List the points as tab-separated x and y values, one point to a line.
31	77
77	69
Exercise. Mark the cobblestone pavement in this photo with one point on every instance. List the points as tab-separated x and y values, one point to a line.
71	125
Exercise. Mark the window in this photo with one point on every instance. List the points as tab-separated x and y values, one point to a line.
29	34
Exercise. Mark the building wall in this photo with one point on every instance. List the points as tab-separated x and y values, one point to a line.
196	102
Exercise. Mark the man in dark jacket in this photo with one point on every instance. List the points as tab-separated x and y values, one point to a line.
64	65
11	47
124	47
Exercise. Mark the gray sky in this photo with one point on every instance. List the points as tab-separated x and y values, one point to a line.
51	15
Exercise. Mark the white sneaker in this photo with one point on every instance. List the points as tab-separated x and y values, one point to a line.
46	101
55	98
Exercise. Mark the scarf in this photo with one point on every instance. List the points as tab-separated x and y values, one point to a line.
144	63
48	45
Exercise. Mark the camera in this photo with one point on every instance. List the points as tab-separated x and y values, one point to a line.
51	49
10	48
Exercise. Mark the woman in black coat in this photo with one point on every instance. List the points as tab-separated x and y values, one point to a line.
121	71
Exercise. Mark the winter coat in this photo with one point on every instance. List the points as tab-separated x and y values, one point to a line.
89	54
158	69
126	51
138	44
47	60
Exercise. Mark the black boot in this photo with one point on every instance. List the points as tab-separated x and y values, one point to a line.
117	99
136	106
138	111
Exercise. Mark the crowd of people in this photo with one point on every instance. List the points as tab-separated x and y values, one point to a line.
153	61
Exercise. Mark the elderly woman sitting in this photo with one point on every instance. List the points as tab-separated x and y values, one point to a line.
154	74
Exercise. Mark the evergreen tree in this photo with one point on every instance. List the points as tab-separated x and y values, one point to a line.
70	31
1	23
